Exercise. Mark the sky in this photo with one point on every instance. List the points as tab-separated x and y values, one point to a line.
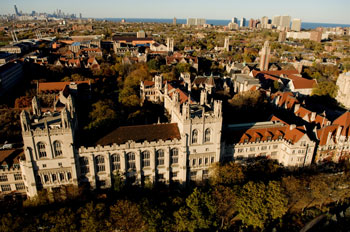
322	11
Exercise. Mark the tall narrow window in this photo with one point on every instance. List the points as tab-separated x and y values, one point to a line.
130	160
41	150
160	157
207	135
100	163
194	136
146	159
57	146
174	153
84	165
115	162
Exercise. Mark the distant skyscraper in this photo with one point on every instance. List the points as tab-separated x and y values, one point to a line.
174	21
234	20
265	57
16	11
276	20
195	22
296	25
285	21
264	21
242	23
80	16
252	23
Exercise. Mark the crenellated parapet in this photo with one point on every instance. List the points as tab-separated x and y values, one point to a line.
129	145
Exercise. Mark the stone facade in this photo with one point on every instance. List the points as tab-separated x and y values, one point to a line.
343	83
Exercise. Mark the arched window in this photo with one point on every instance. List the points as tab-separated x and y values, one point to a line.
57	147
84	165
160	157
130	160
41	150
194	136
100	163
115	162
174	156
146	159
207	135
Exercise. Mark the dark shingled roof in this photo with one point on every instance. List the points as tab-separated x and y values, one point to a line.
141	133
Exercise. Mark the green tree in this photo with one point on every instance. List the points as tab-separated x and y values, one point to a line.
125	216
198	214
227	174
258	203
102	115
118	182
325	88
92	217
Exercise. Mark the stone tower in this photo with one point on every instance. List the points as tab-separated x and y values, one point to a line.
265	57
170	44
49	159
227	44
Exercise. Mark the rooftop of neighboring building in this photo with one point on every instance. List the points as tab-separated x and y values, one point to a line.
141	133
263	131
57	86
241	78
10	157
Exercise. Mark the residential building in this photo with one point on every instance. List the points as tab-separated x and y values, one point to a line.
11	178
296	25
196	21
242	22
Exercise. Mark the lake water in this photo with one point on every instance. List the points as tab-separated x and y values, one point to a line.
217	22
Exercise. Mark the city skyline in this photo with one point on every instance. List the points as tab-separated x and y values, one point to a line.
326	12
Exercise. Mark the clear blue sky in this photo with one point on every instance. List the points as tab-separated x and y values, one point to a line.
324	11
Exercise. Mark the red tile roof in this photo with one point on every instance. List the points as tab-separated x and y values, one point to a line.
56	86
10	157
150	133
292	135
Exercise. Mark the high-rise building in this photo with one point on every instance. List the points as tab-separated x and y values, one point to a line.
242	23
80	16
16	11
296	25
174	21
264	21
252	23
234	20
285	22
195	22
276	20
265	57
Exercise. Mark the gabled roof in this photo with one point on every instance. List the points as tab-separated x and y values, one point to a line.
264	134
149	133
344	122
56	86
322	134
10	157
